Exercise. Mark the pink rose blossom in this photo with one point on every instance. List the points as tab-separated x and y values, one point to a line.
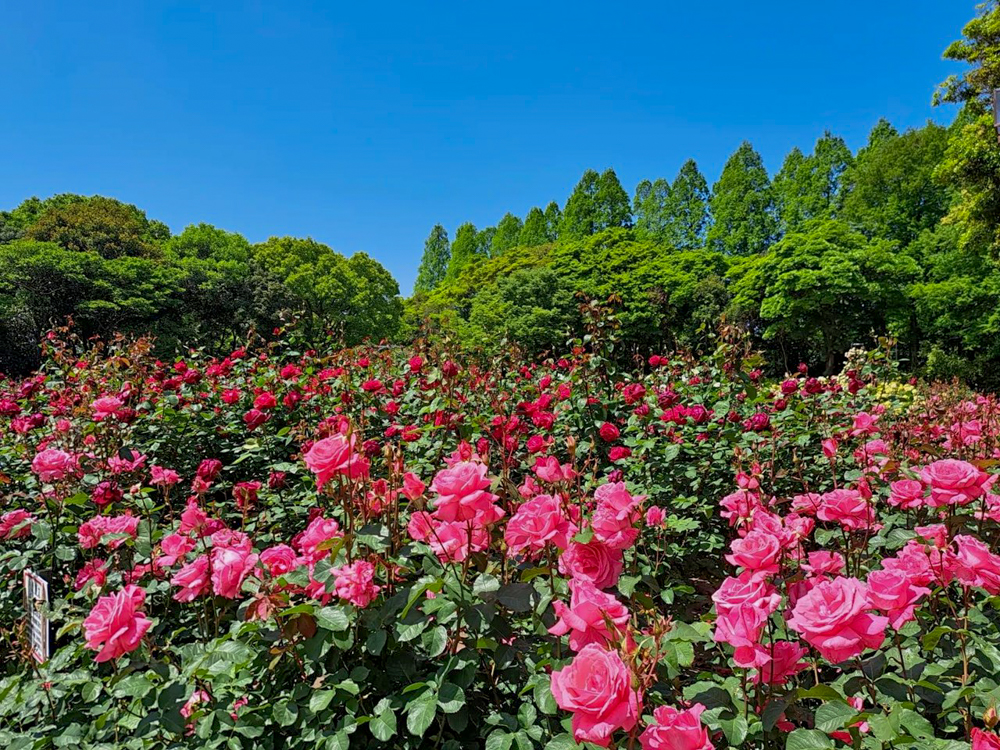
833	618
597	688
116	624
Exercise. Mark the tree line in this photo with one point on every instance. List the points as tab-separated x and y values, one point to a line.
110	268
898	239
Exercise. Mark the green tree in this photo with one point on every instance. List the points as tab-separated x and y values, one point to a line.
819	291
972	162
613	208
103	225
464	249
743	207
789	187
354	297
687	208
535	231
553	221
809	187
507	235
534	307
651	209
891	190
579	218
434	262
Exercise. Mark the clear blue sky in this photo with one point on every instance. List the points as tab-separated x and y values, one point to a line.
362	124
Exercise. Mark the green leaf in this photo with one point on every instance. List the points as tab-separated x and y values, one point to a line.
735	730
499	740
451	698
808	739
333	618
435	641
562	742
833	716
420	713
285	713
383	724
320	700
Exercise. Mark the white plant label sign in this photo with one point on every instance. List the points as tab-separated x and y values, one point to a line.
36	594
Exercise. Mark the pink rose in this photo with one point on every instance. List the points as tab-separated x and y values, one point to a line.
451	541
975	565
748	590
279	560
655	516
784	659
463	494
588	615
953	482
52	464
893	593
548	469
593	561
597	688
230	566
906	494
536	524
173	547
846	507
758	551
354	583
106	406
116	624
317	540
833	619
192	579
109	530
824	562
676	730
335	456
16	524
984	740
94	570
741	628
913	562
615	517
163	477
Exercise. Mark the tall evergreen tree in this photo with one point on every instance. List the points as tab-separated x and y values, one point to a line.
651	209
810	187
892	189
507	235
613	206
579	218
743	211
434	263
553	220
464	249
790	184
534	232
687	208
484	241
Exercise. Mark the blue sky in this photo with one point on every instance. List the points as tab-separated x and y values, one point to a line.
363	124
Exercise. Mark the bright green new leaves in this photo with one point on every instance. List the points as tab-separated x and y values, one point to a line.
825	289
434	263
743	206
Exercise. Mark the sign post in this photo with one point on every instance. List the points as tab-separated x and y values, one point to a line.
36	593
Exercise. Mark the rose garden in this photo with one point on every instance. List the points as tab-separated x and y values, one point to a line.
389	547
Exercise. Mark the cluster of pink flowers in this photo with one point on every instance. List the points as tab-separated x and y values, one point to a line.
463	512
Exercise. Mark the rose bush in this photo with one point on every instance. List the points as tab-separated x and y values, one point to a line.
384	547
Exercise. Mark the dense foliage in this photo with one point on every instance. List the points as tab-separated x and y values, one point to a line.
107	266
924	203
388	547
